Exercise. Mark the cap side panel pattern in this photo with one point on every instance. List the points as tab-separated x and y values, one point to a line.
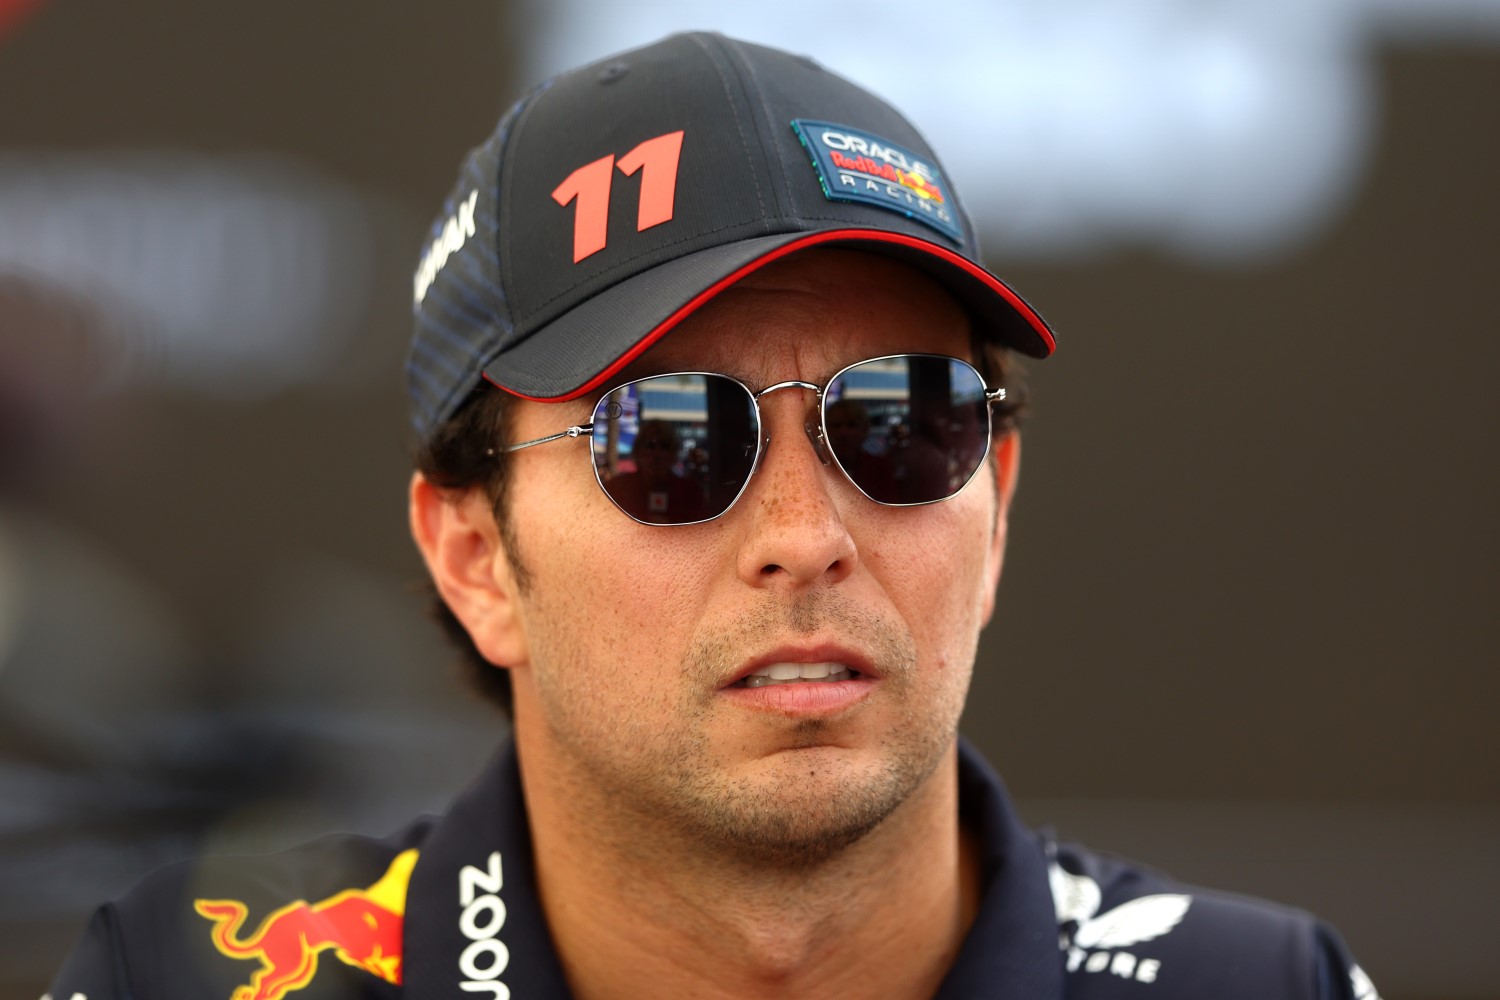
462	318
765	123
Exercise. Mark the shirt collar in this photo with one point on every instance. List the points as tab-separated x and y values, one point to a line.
1011	951
462	928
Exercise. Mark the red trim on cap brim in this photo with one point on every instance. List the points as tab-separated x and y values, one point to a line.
864	235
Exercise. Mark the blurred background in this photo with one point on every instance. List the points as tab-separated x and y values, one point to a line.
1248	628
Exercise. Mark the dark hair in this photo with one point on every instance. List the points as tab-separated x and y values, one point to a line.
458	457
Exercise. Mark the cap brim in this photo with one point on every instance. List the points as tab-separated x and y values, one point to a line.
585	348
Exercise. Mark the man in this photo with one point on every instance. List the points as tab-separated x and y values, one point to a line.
735	769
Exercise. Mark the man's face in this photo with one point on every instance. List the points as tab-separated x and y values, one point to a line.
636	639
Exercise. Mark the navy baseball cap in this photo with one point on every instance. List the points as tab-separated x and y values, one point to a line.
614	200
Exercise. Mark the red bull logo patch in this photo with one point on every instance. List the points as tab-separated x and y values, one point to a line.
362	927
856	166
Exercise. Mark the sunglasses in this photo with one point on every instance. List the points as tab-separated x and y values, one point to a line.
680	449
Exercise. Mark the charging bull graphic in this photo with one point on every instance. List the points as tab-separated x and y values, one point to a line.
362	927
920	186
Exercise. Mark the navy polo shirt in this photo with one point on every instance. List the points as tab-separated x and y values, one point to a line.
448	908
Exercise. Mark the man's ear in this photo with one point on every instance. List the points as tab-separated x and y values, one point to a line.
460	542
1006	466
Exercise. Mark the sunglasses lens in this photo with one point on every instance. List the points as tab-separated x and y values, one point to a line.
908	430
675	449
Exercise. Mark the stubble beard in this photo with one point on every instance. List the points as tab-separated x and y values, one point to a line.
792	812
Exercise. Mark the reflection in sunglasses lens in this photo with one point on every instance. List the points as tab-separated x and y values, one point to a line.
674	449
908	430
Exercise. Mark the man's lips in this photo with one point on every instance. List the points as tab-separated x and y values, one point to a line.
823	664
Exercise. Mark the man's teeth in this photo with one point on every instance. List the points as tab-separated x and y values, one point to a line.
796	673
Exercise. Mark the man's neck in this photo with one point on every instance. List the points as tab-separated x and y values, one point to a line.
635	910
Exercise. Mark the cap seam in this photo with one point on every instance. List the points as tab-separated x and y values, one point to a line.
773	144
760	201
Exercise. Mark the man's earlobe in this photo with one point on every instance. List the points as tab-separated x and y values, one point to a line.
460	542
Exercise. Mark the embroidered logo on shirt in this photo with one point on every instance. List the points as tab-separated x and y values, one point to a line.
485	957
1094	945
362	927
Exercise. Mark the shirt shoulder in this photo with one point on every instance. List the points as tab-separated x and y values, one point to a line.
1129	931
325	918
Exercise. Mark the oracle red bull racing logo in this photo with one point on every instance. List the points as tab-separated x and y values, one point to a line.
853	165
362	927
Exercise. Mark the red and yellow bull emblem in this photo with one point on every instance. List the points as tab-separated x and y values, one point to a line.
362	927
920	185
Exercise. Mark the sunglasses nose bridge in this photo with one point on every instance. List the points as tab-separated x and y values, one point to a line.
812	424
791	384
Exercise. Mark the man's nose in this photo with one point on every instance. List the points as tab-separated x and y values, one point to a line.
796	534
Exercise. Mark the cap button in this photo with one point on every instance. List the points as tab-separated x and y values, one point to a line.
612	72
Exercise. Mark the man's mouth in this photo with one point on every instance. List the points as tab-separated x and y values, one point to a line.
797	673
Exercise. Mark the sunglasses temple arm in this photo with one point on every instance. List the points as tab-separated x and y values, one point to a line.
995	395
571	432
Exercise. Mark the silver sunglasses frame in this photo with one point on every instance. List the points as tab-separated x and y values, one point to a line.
820	445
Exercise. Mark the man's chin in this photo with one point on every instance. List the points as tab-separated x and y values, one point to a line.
799	807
